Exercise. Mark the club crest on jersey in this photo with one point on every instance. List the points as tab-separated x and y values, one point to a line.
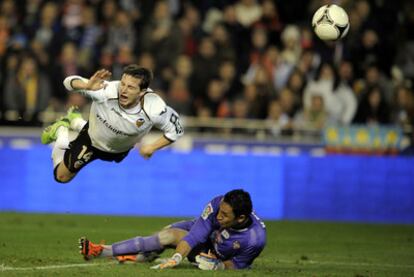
225	234
208	210
236	245
78	164
139	122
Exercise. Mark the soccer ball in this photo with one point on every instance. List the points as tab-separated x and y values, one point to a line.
330	22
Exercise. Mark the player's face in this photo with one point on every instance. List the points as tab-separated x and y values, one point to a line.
225	215
129	91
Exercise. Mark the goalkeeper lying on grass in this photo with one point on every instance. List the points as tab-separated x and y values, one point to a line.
227	235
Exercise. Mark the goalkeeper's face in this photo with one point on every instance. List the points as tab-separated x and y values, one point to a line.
225	216
129	91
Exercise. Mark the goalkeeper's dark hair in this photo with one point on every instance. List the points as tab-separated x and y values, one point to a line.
144	74
240	201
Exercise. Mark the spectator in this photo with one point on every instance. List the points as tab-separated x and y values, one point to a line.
147	60
257	101
90	40
205	66
373	109
403	106
296	83
288	102
228	75
291	44
215	99
72	19
374	77
279	122
271	21
107	14
121	33
5	33
239	37
248	12
68	65
190	29
314	116
179	96
162	37
9	10
240	110
221	39
26	92
339	100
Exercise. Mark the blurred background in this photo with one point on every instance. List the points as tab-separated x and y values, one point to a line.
313	129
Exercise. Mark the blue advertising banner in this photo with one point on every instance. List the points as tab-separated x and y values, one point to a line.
283	186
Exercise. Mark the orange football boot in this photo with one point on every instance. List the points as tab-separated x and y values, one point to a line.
126	258
88	249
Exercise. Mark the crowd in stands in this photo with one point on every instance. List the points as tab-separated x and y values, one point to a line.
253	59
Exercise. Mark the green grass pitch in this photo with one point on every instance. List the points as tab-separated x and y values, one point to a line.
46	245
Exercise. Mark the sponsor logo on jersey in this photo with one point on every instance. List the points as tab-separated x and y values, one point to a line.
110	127
236	245
139	122
208	210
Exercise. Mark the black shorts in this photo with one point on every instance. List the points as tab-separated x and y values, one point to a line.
81	152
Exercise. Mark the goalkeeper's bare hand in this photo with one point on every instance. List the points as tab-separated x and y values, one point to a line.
169	263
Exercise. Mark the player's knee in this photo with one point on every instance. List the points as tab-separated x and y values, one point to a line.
166	237
61	177
171	236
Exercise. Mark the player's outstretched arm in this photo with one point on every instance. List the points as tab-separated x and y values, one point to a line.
146	151
96	82
181	251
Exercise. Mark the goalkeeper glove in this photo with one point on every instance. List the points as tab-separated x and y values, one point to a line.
209	262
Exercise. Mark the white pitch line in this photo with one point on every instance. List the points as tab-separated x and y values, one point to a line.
304	262
46	267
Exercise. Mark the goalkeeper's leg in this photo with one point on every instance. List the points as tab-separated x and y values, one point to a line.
143	247
165	238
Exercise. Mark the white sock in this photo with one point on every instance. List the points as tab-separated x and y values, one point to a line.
61	144
57	155
107	251
77	124
62	137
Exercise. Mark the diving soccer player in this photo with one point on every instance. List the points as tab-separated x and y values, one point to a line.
122	112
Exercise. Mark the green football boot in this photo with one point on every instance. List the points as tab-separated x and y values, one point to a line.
49	133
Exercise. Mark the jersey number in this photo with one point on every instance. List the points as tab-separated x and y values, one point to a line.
174	120
83	155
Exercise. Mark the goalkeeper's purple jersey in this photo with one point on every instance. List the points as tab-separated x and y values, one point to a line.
240	246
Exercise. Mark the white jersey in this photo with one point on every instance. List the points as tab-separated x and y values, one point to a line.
114	129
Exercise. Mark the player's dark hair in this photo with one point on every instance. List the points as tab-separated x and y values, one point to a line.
145	75
240	201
